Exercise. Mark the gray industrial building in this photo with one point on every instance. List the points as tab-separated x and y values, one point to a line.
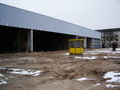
22	30
108	36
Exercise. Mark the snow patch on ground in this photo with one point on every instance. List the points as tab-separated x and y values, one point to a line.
1	75
3	82
66	53
6	78
2	68
51	77
95	57
83	79
21	58
88	58
118	49
27	58
113	76
105	57
98	84
112	86
17	72
114	57
25	72
11	77
102	51
21	71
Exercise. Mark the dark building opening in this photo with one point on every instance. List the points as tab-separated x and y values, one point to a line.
12	39
89	42
48	41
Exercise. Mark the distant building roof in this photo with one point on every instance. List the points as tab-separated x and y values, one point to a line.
109	30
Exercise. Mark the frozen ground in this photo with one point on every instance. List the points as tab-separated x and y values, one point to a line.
97	69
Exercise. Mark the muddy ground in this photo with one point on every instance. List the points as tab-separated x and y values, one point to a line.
60	70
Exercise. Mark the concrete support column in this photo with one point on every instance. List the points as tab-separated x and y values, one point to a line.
85	42
30	41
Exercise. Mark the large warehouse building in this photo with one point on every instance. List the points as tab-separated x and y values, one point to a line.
22	30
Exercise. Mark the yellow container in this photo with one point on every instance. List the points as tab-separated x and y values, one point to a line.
76	46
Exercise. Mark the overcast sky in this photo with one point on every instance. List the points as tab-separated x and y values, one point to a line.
93	14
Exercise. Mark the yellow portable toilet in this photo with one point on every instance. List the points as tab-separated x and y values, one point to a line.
76	46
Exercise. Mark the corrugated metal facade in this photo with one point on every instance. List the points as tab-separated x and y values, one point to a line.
16	17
